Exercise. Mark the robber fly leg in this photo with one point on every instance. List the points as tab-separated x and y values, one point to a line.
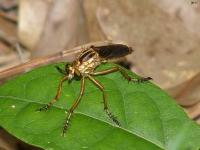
73	107
60	70
57	95
123	72
110	115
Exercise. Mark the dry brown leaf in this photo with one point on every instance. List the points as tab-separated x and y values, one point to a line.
194	112
51	26
94	31
187	93
32	18
64	28
165	48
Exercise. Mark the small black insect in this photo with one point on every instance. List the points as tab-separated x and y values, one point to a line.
83	67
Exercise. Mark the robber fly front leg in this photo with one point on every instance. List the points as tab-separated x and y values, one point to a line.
110	115
124	74
74	106
45	107
62	71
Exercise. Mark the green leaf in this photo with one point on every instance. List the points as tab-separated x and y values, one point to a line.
149	118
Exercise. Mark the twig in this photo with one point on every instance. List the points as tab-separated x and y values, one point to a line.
58	57
32	64
8	17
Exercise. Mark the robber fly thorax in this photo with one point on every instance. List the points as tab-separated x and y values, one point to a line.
85	63
84	67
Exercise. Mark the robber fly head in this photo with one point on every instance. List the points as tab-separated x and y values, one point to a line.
69	71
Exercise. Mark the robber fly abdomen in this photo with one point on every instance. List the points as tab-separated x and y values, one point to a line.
84	67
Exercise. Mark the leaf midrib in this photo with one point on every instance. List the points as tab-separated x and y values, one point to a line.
77	112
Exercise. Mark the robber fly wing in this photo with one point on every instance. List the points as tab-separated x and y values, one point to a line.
78	49
71	54
113	51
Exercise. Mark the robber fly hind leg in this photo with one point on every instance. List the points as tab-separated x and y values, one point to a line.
123	72
110	115
74	106
58	93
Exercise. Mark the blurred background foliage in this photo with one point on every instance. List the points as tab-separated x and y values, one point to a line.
165	35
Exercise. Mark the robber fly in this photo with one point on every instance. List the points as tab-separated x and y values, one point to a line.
83	67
